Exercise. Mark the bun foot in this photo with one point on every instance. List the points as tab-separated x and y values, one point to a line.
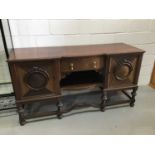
22	122
102	109
132	104
59	116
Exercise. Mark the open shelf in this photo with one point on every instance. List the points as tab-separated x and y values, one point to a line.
81	79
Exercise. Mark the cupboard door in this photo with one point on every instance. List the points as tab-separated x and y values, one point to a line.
37	78
123	70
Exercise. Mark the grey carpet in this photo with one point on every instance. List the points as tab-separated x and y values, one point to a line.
7	102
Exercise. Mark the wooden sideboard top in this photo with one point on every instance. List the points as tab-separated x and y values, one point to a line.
40	53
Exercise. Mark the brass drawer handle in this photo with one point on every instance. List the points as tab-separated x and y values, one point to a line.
72	66
94	64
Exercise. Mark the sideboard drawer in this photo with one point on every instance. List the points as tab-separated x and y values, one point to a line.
81	64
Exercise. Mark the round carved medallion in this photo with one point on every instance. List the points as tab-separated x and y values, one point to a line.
36	78
123	70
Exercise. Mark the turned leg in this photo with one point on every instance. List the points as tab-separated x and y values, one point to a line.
60	109
104	100
133	93
21	115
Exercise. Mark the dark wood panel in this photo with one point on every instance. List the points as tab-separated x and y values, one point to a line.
122	70
37	78
152	80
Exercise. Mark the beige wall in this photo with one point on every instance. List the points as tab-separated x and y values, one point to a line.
140	33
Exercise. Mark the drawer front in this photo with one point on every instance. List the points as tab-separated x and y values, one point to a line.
81	64
40	78
123	70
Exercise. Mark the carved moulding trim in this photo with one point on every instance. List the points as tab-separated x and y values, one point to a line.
36	71
120	64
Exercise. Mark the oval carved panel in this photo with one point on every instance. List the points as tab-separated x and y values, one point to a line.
36	78
123	70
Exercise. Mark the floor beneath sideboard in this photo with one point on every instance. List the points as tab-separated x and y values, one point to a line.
123	120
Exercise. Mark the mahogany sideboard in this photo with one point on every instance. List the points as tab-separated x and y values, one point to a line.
43	73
